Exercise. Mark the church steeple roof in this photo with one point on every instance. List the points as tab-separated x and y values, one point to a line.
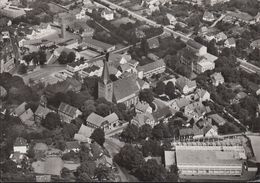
105	74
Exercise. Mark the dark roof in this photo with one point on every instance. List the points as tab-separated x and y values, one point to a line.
151	66
105	78
194	44
72	145
67	109
20	142
125	87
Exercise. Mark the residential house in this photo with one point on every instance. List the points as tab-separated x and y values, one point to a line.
71	165
173	80
72	146
195	55
185	85
230	43
19	110
156	67
18	157
142	84
80	27
179	104
20	145
171	19
12	11
113	120
201	95
68	113
3	92
239	96
143	107
153	43
143	118
213	2
40	113
84	133
217	119
196	110
43	178
50	166
107	14
255	44
220	37
96	121
208	17
242	17
41	31
217	78
27	117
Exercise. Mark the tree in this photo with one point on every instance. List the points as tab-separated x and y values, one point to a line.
145	131
170	89
69	130
85	171
160	88
130	133
103	109
71	57
88	107
98	135
129	157
146	95
65	172
102	172
51	121
151	171
63	58
144	46
160	131
42	57
9	167
22	69
151	148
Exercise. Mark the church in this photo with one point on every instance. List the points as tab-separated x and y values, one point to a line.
124	90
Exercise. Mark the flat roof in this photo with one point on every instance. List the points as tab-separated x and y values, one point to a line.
255	146
203	157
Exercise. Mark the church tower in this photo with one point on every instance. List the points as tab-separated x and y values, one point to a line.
105	85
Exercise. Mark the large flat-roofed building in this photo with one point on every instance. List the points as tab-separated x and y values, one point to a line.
210	160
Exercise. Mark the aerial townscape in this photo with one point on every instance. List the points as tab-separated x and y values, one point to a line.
130	90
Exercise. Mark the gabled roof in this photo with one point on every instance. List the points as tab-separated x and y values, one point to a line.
142	118
67	109
201	92
181	82
231	41
85	131
217	118
96	119
194	44
20	109
181	102
198	107
208	15
72	145
125	87
217	76
42	111
111	118
3	91
27	115
151	66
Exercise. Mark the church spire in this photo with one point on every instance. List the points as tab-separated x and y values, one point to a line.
105	74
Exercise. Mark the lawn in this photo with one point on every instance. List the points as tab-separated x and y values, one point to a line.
123	20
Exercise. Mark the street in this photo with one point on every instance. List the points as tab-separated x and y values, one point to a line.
113	146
